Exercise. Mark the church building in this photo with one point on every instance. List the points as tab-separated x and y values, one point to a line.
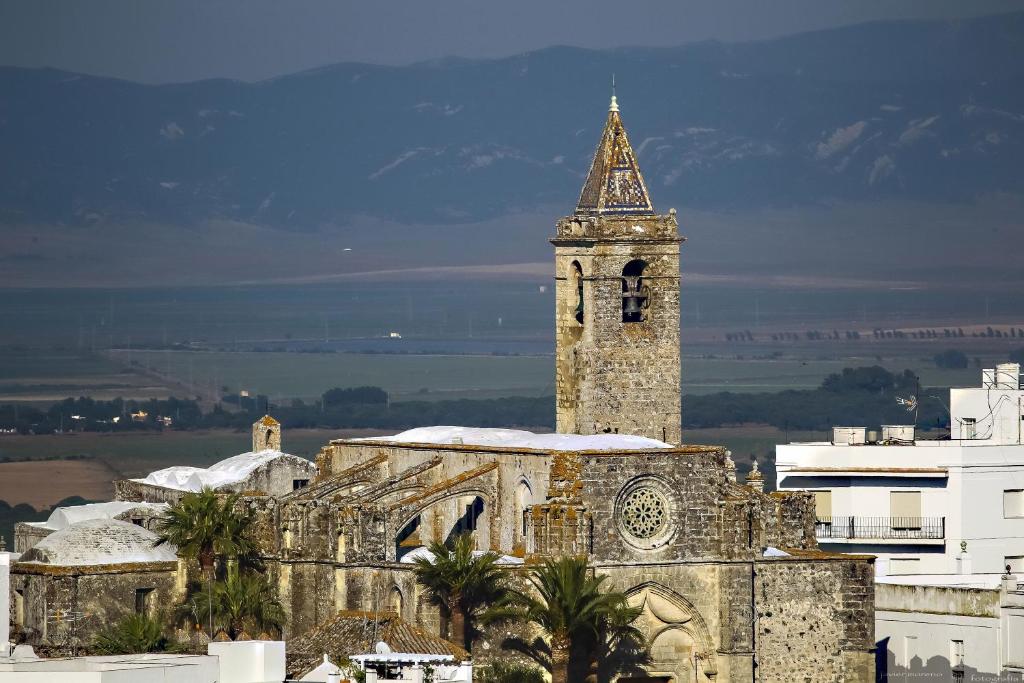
730	579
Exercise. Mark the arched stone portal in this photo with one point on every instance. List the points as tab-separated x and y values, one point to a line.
680	643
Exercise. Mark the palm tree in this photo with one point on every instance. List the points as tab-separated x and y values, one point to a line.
240	600
583	624
463	584
205	527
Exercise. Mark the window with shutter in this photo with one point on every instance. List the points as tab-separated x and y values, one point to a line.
905	509
1013	503
823	505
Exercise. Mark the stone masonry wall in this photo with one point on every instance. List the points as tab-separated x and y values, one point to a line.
65	609
815	620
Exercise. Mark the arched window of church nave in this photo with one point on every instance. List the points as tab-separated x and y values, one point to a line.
636	294
408	538
469	509
523	498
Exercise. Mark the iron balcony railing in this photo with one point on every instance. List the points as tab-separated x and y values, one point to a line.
880	528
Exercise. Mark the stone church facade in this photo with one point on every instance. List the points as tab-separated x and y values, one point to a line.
730	580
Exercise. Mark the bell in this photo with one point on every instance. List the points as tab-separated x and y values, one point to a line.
631	304
634	299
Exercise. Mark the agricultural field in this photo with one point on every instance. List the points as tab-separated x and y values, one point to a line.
46	376
41	483
306	376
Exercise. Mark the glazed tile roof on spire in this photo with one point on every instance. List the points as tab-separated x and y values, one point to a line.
614	184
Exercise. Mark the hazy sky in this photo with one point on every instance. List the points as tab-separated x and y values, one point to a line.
182	40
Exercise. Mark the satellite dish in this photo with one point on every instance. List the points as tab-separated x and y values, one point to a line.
382	648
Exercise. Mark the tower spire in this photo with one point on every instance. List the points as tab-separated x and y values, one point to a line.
614	184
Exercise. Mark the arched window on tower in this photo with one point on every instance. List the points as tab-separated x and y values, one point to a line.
395	601
577	275
636	295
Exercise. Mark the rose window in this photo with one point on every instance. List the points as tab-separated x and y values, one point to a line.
644	513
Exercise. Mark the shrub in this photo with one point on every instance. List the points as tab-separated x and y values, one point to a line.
135	634
508	672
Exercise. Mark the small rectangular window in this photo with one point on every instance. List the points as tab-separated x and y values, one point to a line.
299	484
969	428
1013	503
823	506
142	601
909	649
956	652
904	565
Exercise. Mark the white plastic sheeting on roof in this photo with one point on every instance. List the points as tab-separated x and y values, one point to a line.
413	555
516	438
100	541
63	517
229	471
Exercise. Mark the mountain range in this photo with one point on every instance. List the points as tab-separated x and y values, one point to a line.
928	112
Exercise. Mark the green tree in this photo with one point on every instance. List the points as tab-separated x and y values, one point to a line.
463	584
239	601
583	624
134	634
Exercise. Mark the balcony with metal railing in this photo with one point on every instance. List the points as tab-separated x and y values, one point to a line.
882	530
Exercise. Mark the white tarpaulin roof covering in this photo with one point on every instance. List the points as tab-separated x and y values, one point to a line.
100	541
516	438
63	517
229	471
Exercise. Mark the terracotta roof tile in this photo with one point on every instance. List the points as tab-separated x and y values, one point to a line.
355	632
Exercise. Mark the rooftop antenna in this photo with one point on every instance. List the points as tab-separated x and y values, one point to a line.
614	105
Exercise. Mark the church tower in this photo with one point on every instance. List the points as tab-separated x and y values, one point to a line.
617	303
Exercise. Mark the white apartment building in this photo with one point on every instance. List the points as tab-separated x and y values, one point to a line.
915	503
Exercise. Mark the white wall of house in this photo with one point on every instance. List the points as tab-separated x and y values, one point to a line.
5	604
926	629
918	641
153	668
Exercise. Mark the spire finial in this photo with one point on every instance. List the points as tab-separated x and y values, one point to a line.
614	106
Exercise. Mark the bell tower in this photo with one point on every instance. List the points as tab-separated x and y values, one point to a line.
617	303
